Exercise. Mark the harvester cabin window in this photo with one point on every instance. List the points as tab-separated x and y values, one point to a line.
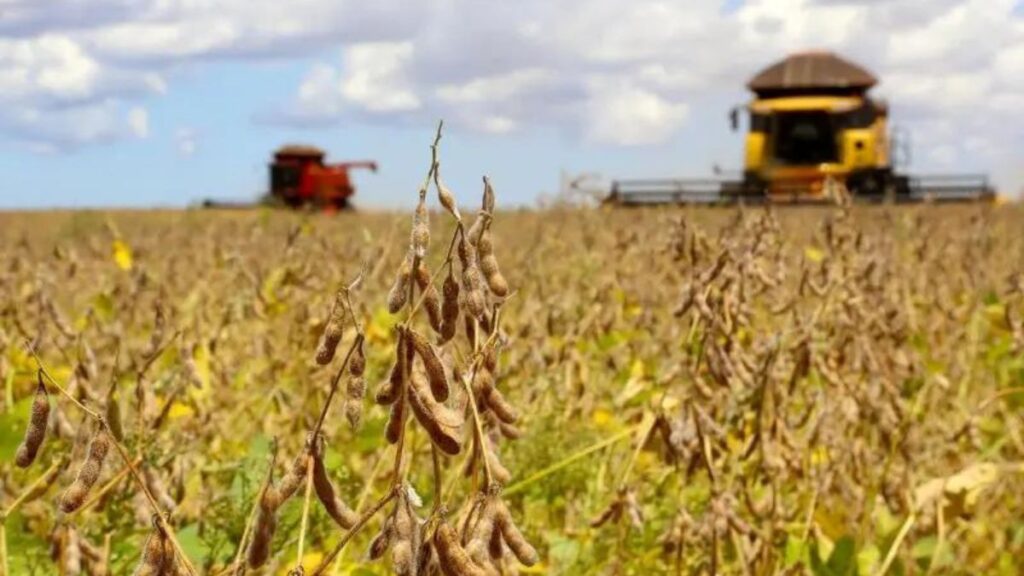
284	176
804	138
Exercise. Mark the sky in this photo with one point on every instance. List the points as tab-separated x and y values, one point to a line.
168	102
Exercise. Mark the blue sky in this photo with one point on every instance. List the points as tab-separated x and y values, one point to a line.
167	102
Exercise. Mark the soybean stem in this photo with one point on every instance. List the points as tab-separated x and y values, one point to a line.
895	547
305	514
355	529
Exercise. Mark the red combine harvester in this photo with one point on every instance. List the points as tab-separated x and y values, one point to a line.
299	177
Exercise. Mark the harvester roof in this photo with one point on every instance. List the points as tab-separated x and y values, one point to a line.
812	72
301	150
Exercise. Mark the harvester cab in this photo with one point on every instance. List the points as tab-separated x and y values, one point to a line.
299	177
813	130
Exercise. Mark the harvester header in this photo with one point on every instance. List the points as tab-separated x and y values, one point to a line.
814	134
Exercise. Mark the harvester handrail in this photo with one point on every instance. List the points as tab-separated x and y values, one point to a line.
669	181
975	178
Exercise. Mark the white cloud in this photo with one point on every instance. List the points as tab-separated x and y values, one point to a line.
377	75
1009	67
621	113
372	79
163	40
62	129
494	88
498	124
27	17
319	94
186	140
138	121
52	67
55	95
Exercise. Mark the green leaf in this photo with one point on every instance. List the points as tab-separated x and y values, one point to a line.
795	553
563	551
924	547
868	559
843	561
927	548
818	567
192	544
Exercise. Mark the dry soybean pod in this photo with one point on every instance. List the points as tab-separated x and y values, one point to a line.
357	364
171	567
35	433
75	495
355	391
499	473
262	535
266	519
489	264
501	408
443	424
396	419
452	558
334	331
382	541
473	296
154	558
431	363
420	236
431	299
113	412
491	359
389	390
399	293
425	558
445	196
449	307
480	534
522	549
325	492
403	554
487	203
332	335
289	483
473	233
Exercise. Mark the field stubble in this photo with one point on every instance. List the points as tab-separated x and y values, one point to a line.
743	392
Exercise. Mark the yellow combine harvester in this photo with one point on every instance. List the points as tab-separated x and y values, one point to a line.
815	135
